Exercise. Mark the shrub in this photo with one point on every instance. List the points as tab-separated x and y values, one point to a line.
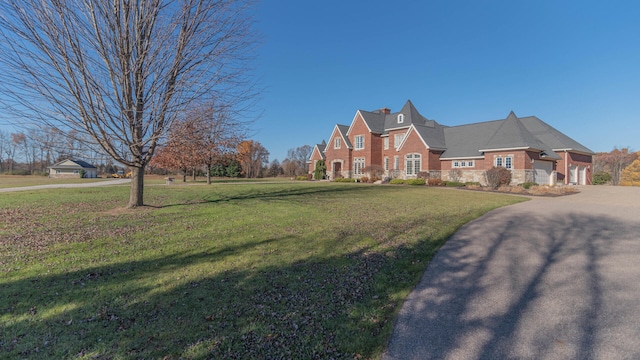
423	175
302	177
435	182
373	170
528	184
343	179
364	179
374	179
472	183
601	178
497	176
453	184
415	182
396	181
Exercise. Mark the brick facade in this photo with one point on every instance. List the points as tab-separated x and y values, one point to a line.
412	139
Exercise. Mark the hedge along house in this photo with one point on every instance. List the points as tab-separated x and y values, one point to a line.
73	169
405	144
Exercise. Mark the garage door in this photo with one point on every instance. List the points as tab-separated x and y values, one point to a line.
542	172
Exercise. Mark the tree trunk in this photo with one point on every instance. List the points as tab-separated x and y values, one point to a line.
136	195
208	174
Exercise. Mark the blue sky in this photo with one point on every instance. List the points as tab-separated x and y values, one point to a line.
574	64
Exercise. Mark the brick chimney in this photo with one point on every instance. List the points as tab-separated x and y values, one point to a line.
385	110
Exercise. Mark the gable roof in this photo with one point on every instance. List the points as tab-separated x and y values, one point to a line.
320	148
342	130
72	164
432	137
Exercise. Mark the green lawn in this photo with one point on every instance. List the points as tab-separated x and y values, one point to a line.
242	270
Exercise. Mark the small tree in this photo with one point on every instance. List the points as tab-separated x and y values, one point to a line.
320	170
631	174
497	176
601	178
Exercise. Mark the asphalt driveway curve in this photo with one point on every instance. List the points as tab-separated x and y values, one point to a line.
551	278
73	185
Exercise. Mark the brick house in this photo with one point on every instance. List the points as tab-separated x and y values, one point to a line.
405	143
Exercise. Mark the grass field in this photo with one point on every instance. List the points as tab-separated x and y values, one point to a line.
239	270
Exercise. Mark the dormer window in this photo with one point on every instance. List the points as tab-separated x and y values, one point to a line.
400	118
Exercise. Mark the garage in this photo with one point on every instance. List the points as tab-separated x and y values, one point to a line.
542	171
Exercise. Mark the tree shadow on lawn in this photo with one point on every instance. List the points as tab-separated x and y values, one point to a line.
550	294
304	309
266	192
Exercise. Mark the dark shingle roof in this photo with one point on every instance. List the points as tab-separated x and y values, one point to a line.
343	131
555	139
78	164
432	135
510	133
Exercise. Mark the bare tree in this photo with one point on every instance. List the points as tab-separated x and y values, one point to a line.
614	162
121	71
296	161
252	156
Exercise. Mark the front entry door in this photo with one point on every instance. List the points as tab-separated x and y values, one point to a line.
337	170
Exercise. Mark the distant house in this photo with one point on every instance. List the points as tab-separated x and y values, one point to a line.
405	144
72	169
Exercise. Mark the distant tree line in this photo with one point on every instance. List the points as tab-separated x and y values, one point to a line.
617	167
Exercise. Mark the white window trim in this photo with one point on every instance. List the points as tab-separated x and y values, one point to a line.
462	164
410	164
386	143
400	118
361	145
503	162
337	143
397	139
358	166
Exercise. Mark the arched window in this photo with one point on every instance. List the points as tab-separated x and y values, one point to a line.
400	118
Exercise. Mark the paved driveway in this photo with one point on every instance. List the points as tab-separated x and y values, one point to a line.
552	278
74	185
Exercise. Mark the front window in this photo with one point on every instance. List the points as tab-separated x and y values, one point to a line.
336	143
397	139
506	162
358	166
400	118
462	164
386	143
396	162
413	164
359	140
386	163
